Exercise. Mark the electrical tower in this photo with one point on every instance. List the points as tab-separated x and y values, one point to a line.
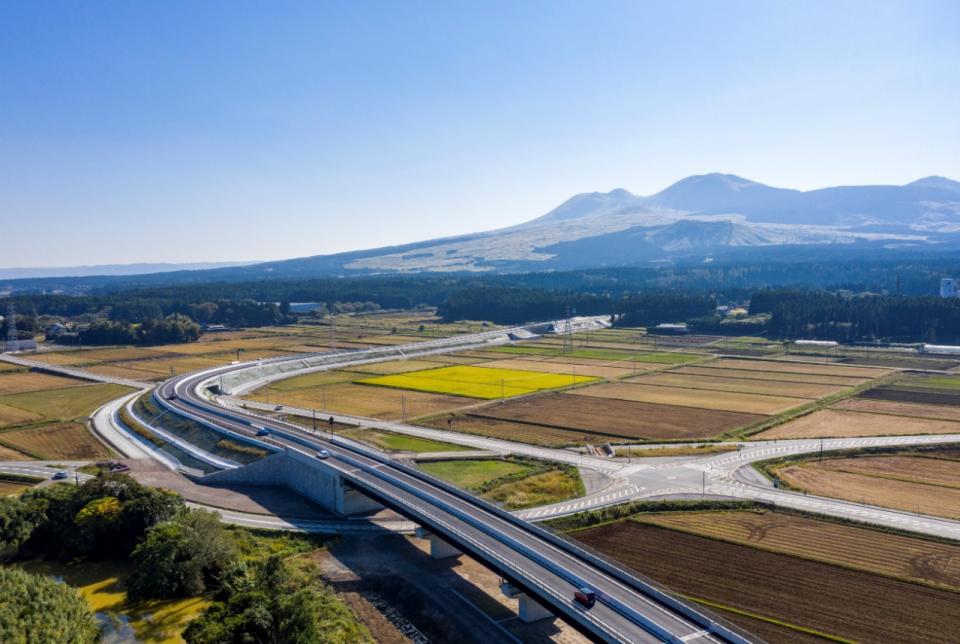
566	328
11	344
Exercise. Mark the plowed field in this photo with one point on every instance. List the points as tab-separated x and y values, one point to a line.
715	400
839	424
846	603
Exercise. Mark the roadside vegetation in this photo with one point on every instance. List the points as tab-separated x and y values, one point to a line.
239	585
512	483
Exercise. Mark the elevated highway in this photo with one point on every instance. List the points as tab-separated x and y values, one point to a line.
542	565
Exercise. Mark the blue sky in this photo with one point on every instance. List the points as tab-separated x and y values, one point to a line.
209	131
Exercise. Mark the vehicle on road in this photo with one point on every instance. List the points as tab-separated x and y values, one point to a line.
323	454
171	396
585	597
263	431
278	408
59	476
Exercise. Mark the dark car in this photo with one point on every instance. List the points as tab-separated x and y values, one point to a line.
585	597
263	431
59	476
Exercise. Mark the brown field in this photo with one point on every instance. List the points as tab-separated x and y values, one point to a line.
765	376
844	603
15	383
395	366
716	400
65	404
912	396
616	418
10	488
222	346
94	356
162	366
899	409
912	484
375	402
605	362
7	454
787	366
515	431
126	371
451	358
13	416
559	367
909	558
58	440
309	380
828	423
747	386
6	366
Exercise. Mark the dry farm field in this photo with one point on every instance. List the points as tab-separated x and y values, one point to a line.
910	410
911	483
796	367
13	416
57	440
739	385
361	400
610	418
524	364
514	431
717	369
699	398
903	557
795	592
830	423
24	381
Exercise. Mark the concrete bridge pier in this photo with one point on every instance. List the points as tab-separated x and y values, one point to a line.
439	549
528	609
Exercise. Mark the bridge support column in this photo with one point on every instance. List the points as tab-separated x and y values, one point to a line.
439	549
528	608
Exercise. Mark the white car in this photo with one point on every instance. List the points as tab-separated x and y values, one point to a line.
322	453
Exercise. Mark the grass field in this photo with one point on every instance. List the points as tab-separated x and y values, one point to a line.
715	400
911	483
604	418
477	382
392	442
510	484
56	440
738	385
829	423
797	593
10	416
909	558
693	450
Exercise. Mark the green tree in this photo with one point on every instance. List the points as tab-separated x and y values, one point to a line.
181	558
35	608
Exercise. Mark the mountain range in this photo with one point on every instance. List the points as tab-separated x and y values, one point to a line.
700	218
696	219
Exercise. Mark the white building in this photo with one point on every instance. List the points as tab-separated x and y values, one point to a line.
949	287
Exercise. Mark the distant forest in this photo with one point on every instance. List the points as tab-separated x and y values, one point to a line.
895	300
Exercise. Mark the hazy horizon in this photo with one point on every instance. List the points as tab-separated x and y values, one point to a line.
236	132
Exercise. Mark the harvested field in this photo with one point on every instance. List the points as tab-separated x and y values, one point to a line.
451	358
396	366
12	488
520	432
829	423
629	365
72	402
844	603
903	485
559	367
747	386
661	357
13	416
308	380
716	400
57	440
126	371
787	366
708	369
94	356
660	452
22	381
912	396
912	410
7	454
476	382
909	558
375	402
617	418
164	366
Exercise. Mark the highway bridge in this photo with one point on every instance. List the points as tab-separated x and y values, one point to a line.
546	568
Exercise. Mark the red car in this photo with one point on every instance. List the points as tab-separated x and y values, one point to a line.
585	597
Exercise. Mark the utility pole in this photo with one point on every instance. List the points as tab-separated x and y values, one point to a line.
12	336
501	391
821	449
403	409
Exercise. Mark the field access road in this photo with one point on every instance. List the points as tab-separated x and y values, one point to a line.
548	568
